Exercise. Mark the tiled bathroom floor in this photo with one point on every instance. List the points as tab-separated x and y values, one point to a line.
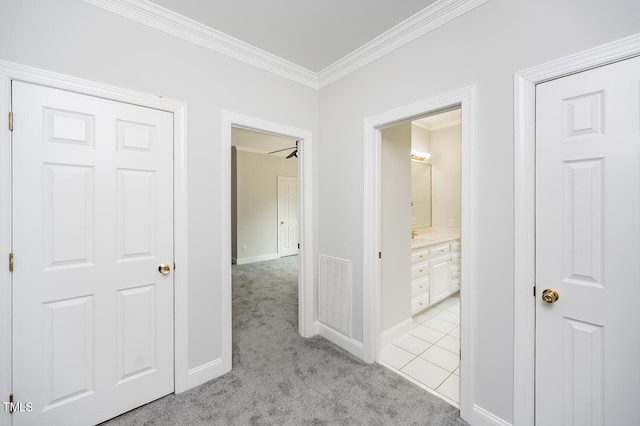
429	354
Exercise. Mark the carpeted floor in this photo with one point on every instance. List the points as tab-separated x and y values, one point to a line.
280	378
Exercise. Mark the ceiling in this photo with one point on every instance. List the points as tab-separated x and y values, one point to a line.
310	34
263	143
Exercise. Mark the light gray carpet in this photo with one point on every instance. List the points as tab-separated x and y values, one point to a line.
280	378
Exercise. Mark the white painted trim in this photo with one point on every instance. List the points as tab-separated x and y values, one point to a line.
469	228
428	19
11	71
524	198
306	286
160	18
254	259
203	373
388	336
484	418
345	342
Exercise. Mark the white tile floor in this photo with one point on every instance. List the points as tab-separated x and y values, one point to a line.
429	354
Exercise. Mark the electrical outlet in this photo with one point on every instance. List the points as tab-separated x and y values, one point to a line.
451	223
413	220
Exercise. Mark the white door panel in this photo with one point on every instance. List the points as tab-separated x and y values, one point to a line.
93	219
287	216
587	244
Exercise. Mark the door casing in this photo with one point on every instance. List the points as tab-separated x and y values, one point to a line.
524	205
465	98
11	71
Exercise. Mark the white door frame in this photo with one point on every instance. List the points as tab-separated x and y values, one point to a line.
11	71
524	198
306	294
464	97
281	179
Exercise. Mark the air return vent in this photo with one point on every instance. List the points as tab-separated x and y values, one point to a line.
334	293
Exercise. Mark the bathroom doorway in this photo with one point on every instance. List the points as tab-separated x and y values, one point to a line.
375	253
420	271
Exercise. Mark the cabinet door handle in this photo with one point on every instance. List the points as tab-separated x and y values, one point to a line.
420	270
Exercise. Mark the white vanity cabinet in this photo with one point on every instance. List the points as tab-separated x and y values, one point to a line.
435	273
419	279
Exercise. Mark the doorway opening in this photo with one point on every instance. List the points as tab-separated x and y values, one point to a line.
420	269
375	253
264	196
303	151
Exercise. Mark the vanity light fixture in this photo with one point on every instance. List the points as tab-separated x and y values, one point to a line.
420	156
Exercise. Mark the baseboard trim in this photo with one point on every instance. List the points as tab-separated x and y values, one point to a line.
393	333
345	342
482	417
262	258
205	372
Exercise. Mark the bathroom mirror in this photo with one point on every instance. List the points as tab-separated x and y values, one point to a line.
420	194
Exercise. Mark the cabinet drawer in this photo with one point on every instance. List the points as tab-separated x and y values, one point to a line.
419	303
439	250
420	255
420	287
419	270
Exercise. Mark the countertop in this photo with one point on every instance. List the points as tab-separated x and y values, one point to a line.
430	236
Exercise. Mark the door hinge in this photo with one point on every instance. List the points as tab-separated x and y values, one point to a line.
10	403
10	262
379	255
460	354
174	266
298	246
11	121
534	291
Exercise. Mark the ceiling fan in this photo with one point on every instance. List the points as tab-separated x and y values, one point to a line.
293	153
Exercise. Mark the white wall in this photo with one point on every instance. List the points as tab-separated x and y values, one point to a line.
445	176
396	225
484	47
257	202
77	39
420	138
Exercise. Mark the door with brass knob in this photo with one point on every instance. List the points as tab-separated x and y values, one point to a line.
550	295
164	269
587	202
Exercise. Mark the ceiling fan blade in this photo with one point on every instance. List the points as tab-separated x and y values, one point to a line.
283	149
293	154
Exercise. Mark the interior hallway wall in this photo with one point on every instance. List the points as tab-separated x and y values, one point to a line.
484	47
78	39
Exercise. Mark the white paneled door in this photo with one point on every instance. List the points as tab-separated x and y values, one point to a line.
287	216
92	224
587	247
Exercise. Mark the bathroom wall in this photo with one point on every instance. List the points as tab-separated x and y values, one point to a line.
256	204
396	225
445	176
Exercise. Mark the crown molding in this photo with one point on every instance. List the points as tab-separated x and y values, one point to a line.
428	19
160	18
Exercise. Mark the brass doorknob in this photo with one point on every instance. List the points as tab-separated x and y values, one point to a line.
164	269
550	296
